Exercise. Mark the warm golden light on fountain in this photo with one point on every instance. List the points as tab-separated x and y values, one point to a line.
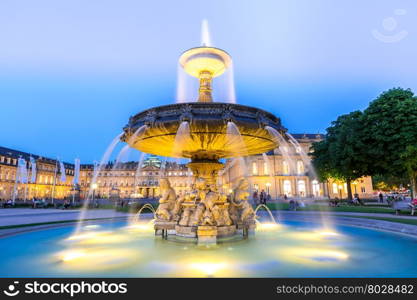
205	63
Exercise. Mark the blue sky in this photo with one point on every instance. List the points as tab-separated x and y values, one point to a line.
72	72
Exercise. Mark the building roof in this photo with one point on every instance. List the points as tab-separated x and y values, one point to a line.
20	154
310	136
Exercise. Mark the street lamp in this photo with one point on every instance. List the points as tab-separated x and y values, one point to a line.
268	185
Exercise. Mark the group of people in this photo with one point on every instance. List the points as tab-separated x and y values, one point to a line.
391	198
6	203
262	198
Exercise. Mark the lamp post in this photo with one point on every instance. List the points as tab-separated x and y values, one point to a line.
268	186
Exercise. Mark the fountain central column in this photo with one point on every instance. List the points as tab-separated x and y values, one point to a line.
205	87
206	169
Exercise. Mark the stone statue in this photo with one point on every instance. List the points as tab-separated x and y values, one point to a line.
200	194
166	202
242	211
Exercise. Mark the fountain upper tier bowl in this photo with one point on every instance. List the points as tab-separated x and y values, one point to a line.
201	130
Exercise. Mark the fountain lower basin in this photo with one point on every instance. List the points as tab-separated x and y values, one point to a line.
291	249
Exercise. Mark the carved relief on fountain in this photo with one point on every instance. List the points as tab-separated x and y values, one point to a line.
241	210
203	210
166	202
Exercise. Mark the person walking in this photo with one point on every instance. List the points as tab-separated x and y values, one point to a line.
255	197
381	197
262	197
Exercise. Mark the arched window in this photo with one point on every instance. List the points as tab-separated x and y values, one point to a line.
254	168
316	188
266	168
287	187
301	188
335	190
300	167
285	167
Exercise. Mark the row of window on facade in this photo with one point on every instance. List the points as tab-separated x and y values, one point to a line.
8	160
286	170
339	188
41	179
40	167
143	174
288	190
127	183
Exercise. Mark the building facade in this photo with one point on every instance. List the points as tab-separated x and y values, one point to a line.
47	183
287	171
283	172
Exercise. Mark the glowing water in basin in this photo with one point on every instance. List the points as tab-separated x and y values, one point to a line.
283	250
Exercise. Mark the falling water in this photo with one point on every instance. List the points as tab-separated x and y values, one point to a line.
182	139
224	86
284	148
136	217
234	140
304	157
123	154
230	82
205	34
104	160
187	87
139	168
324	218
270	169
268	211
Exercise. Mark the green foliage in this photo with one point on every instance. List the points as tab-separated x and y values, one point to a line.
386	182
381	141
409	158
389	126
340	154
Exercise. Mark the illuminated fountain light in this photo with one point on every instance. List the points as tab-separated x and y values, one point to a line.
328	233
97	259
313	256
72	255
141	226
208	269
104	237
267	226
91	227
318	235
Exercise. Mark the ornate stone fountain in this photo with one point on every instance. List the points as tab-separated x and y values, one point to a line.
200	131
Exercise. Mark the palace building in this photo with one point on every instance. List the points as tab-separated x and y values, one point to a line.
47	182
290	174
279	172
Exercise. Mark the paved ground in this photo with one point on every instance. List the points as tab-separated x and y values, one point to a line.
16	216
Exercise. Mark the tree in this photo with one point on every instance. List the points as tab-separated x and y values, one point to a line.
386	182
409	158
340	154
389	129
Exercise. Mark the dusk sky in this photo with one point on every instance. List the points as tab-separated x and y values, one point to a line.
72	72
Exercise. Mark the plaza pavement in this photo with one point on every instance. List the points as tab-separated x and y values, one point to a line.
17	216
